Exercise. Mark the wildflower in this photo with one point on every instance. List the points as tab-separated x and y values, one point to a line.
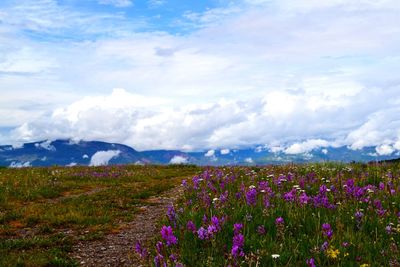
327	230
275	256
173	258
303	199
168	235
324	246
251	197
332	253
364	265
158	259
311	262
358	215
237	245
191	227
159	246
171	214
261	230
215	222
279	220
141	250
237	227
202	233
388	229
184	183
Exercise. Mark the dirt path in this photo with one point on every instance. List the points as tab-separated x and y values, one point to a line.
116	249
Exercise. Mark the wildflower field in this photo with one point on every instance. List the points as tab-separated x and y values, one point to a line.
295	215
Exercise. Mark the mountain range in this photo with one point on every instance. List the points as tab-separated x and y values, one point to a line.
94	153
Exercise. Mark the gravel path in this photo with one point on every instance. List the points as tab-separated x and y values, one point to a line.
117	249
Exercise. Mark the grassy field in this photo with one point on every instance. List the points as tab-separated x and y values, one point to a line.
44	211
295	215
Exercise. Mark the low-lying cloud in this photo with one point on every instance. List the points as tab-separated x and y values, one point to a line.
295	126
101	158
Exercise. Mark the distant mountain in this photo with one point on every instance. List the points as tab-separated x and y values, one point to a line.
70	153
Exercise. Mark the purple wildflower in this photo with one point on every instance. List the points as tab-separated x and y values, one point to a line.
168	235
191	227
159	247
325	246
237	227
251	197
237	245
171	214
202	233
358	215
327	230
141	250
158	260
261	230
279	221
311	262
173	257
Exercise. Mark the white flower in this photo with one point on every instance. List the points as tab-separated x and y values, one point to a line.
215	200
275	256
252	186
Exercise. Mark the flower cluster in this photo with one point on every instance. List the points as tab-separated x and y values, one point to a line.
245	216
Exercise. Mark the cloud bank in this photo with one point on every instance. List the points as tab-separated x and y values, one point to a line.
103	157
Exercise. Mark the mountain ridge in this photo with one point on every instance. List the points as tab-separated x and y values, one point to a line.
70	153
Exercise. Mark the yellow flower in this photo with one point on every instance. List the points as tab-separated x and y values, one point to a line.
332	253
364	265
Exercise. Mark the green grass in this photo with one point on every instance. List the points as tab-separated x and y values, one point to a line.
87	200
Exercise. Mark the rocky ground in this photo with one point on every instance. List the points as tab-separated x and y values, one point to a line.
117	249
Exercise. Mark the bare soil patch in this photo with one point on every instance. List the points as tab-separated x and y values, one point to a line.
117	248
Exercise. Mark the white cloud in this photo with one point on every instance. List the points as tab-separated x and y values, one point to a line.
306	146
225	151
248	160
156	3
72	164
178	160
117	3
324	151
20	164
103	157
210	153
46	145
384	150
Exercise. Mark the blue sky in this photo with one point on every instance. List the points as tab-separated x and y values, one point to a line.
292	74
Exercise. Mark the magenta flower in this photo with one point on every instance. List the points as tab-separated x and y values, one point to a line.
327	230
261	230
237	246
141	250
279	221
251	197
202	233
237	227
191	227
311	262
168	235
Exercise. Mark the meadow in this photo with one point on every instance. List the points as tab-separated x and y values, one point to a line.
326	214
45	211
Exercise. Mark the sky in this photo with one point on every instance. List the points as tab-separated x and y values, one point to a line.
196	75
